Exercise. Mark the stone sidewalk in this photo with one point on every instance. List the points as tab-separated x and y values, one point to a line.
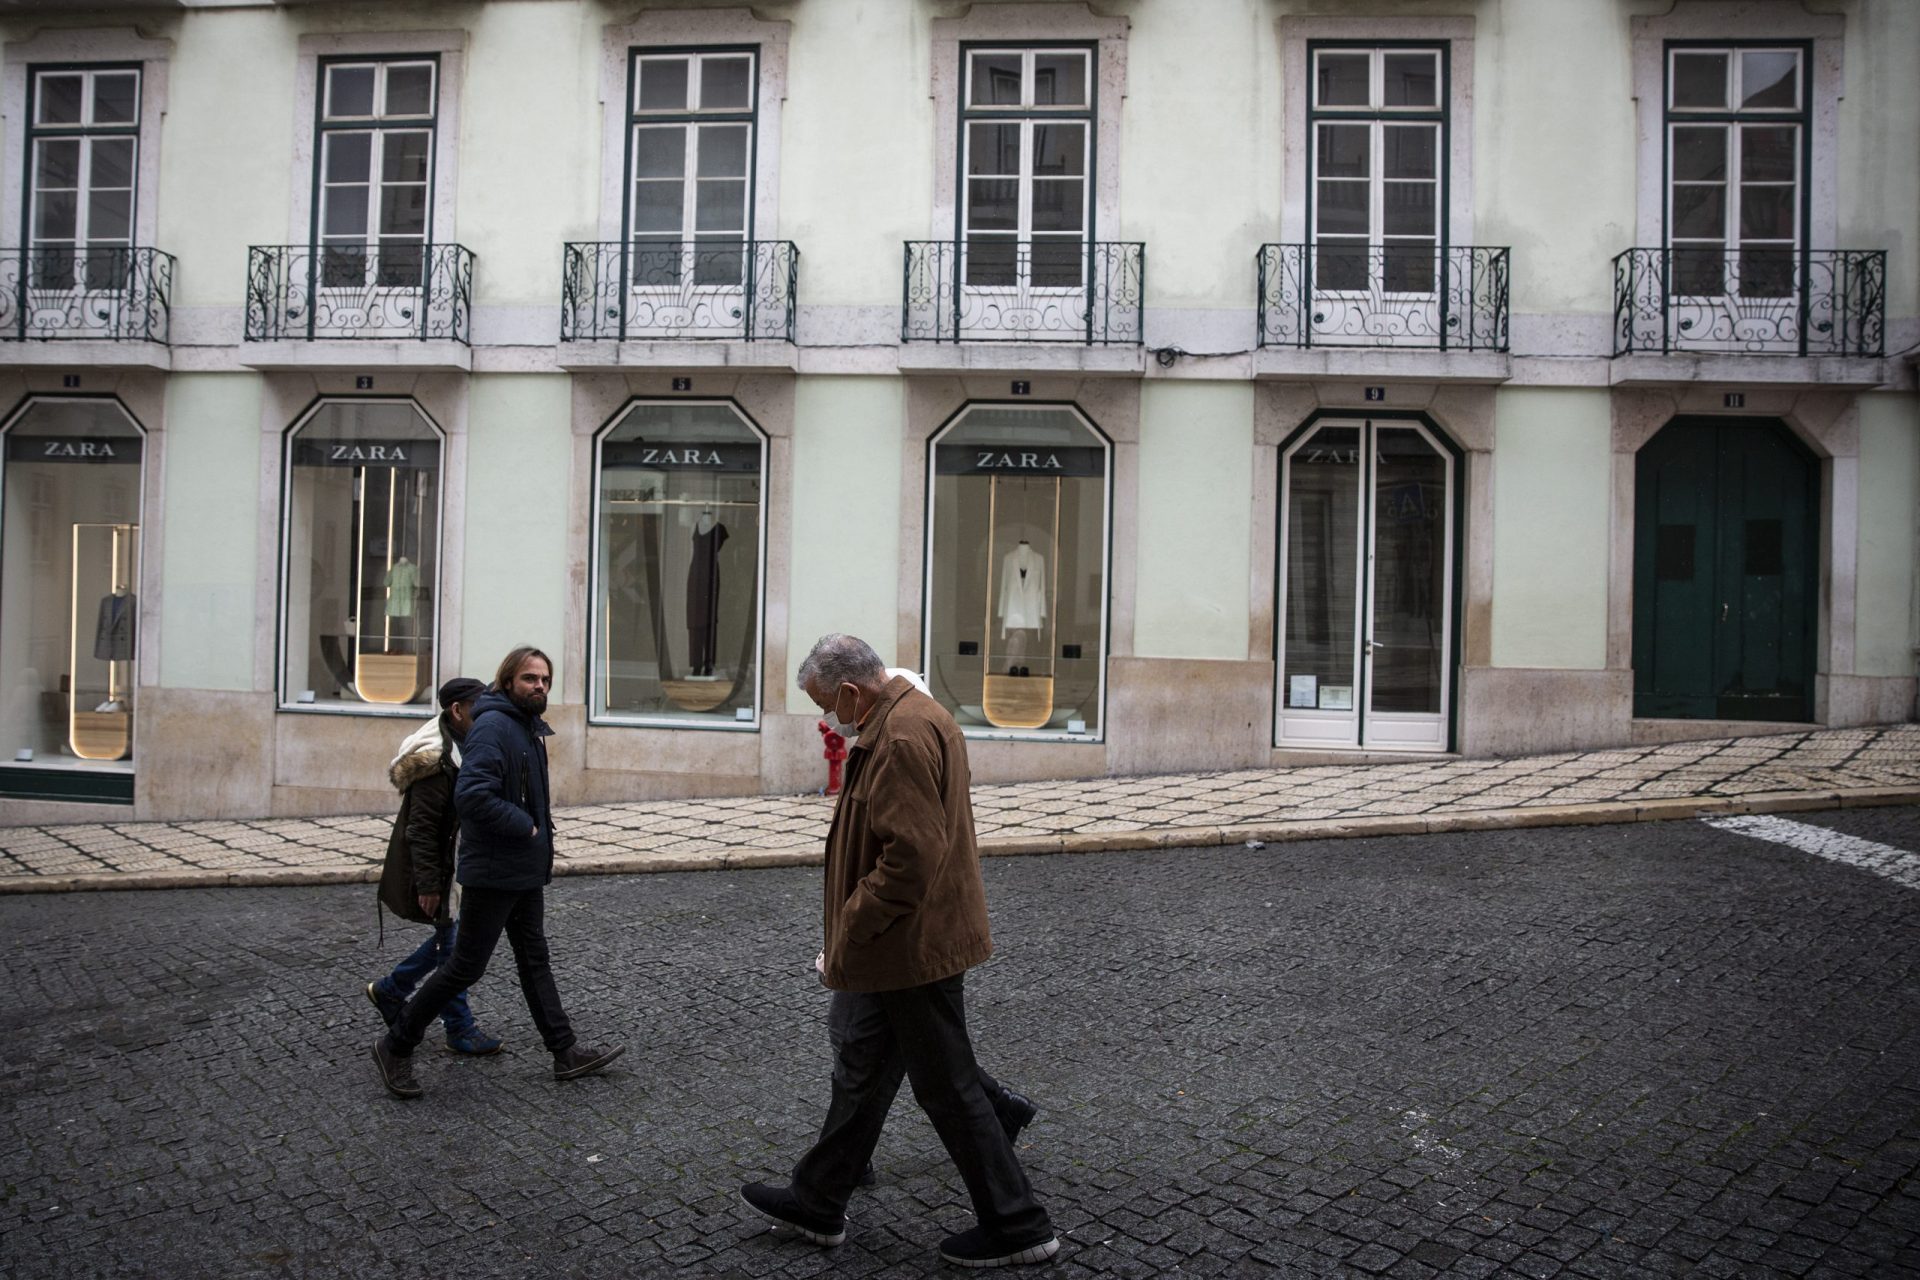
1786	772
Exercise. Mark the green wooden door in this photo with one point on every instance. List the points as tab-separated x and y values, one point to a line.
1726	572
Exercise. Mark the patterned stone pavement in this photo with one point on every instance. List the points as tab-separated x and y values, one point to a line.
1808	770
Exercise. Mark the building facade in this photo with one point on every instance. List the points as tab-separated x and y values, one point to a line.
1508	377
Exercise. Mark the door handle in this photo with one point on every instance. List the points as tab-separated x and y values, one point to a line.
1723	611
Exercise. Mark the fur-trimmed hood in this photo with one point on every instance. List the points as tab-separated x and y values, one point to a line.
413	766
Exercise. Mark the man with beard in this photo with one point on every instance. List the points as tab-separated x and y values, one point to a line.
506	860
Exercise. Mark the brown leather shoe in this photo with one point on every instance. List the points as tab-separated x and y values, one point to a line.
578	1060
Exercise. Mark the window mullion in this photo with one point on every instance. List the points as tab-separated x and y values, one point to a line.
690	188
1377	184
1024	216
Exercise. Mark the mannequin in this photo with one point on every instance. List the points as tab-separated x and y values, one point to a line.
402	580
703	594
1023	597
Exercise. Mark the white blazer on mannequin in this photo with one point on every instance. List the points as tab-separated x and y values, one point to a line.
1023	590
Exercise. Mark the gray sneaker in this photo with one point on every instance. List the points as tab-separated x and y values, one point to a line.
396	1072
578	1060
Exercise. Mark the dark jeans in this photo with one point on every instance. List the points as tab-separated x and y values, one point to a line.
922	1032
484	915
427	957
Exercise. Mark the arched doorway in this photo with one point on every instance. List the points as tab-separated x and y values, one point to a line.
1726	572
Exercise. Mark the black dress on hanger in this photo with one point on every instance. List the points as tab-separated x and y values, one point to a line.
703	599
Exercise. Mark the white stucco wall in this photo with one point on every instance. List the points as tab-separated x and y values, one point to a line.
1880	145
1552	471
519	455
1195	520
1884	637
208	613
846	514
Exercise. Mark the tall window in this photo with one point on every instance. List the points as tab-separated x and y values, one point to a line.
680	506
690	162
83	140
1027	153
1379	130
360	576
374	170
1017	520
1737	126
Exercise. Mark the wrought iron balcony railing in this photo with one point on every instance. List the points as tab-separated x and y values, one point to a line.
390	290
91	294
1349	294
994	289
616	291
1750	301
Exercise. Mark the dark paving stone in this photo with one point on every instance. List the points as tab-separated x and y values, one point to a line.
1576	1052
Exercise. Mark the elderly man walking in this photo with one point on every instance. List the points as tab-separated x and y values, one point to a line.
905	918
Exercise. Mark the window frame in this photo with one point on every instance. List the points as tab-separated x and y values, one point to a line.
378	125
1378	118
952	423
85	133
283	700
693	120
594	585
1027	116
1734	120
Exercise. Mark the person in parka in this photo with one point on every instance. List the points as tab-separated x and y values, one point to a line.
418	873
505	808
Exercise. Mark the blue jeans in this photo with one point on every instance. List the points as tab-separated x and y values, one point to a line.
428	956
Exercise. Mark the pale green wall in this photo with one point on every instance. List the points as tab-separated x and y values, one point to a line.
844	557
1884	636
529	174
1195	524
1880	145
208	613
519	455
1200	154
1552	485
226	149
856	164
1553	163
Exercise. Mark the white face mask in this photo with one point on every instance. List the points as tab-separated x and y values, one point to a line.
839	726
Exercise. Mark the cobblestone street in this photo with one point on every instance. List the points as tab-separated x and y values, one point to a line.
1644	1050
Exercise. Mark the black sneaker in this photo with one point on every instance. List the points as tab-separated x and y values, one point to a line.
577	1060
396	1072
867	1176
1015	1111
978	1247
779	1206
388	1005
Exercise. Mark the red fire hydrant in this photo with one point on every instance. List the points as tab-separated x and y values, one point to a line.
836	753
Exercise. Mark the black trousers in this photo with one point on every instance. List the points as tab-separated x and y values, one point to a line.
484	915
920	1032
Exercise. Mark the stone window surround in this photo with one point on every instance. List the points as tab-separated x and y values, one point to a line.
142	397
1112	405
449	46
694	29
1738	22
1296	76
290	398
1464	414
599	400
1828	423
105	44
1021	24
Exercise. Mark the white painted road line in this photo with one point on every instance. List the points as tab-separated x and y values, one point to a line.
1882	859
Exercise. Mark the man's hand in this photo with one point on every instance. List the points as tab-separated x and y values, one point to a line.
430	903
535	833
820	964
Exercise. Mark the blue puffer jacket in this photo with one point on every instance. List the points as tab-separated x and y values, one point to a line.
501	797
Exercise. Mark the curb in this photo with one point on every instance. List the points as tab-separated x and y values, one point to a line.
1576	815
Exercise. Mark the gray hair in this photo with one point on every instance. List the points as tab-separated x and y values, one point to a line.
837	659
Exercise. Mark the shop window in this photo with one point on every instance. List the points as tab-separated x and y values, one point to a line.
69	570
1017	571
360	578
679	535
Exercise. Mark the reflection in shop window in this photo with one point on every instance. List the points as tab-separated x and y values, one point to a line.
69	569
679	515
362	557
1017	571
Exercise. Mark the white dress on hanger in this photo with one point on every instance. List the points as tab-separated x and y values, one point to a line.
1023	590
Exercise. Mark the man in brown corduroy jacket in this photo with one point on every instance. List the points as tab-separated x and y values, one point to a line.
905	917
